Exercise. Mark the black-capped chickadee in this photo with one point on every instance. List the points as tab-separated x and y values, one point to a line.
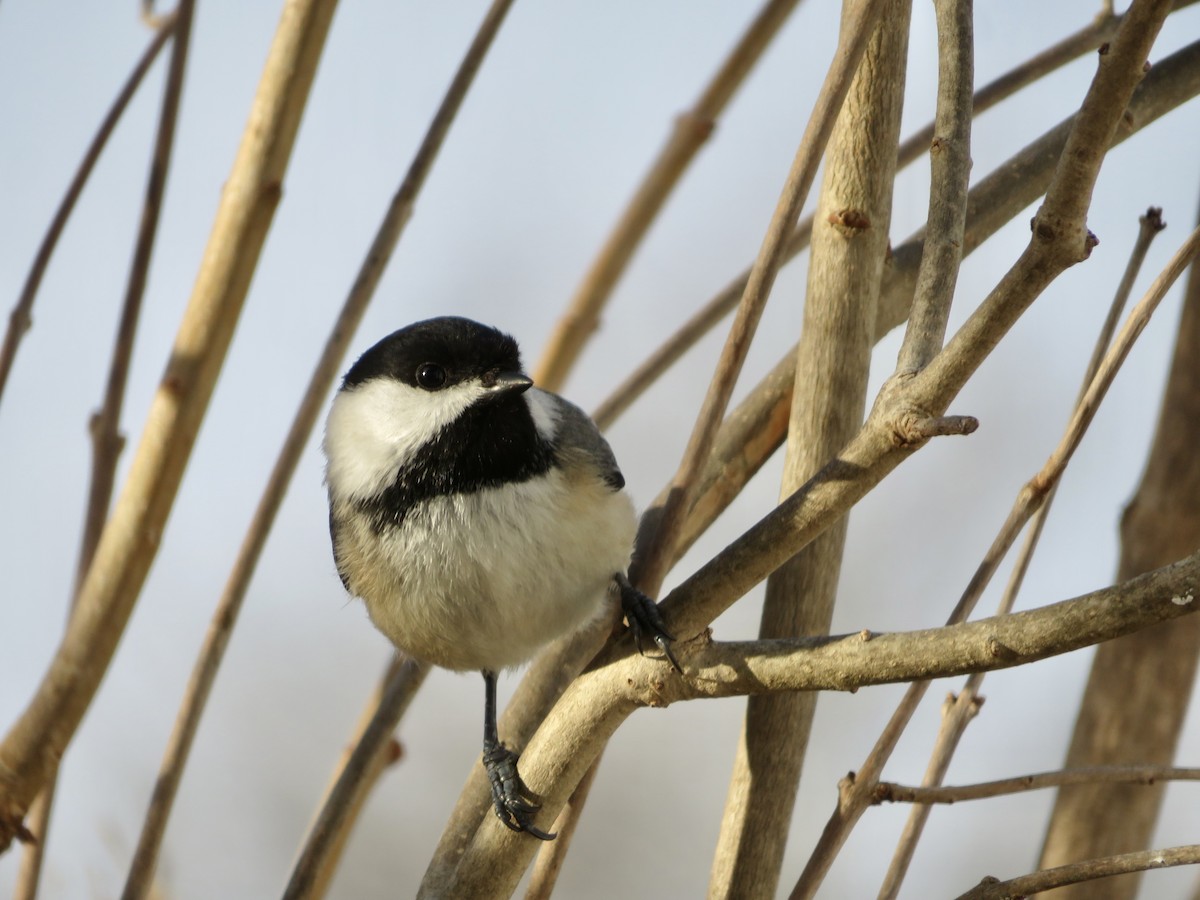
478	517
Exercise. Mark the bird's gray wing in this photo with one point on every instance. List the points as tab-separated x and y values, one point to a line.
578	437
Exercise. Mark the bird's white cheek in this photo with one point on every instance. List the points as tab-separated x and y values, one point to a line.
375	427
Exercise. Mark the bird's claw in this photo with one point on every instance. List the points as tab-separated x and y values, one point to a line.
508	801
644	618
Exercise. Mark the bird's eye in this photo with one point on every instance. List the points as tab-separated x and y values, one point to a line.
431	376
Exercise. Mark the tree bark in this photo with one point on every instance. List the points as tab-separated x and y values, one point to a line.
850	242
1140	686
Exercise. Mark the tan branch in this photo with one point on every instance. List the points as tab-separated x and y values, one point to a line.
950	171
225	615
833	359
888	792
692	130
1088	871
107	440
20	320
1138	691
372	750
958	714
596	703
130	539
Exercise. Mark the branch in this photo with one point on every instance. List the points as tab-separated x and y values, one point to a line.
854	800
107	440
950	171
886	438
888	792
959	713
20	319
228	607
132	534
373	749
598	701
1091	870
833	361
656	550
849	662
1138	691
623	396
692	130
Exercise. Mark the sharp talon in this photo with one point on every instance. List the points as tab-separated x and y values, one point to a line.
644	618
508	792
664	644
539	834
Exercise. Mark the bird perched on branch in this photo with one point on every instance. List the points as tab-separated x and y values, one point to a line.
477	517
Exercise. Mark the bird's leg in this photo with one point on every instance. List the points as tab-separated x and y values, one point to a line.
501	766
643	616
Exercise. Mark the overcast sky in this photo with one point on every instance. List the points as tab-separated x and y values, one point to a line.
566	115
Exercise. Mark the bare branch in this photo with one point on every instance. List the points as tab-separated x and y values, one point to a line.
854	800
958	714
1090	870
131	536
691	131
877	449
597	702
950	171
1138	691
20	319
657	549
833	360
374	749
888	792
623	396
107	440
228	607
738	668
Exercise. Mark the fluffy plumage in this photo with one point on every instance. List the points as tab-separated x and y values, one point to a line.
477	517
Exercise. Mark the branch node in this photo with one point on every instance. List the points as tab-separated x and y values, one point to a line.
1000	651
1153	219
912	428
849	221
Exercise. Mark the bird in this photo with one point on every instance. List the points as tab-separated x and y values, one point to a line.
476	516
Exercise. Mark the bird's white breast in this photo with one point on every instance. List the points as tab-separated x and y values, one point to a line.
484	580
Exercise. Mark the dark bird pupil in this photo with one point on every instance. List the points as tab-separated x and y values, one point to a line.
431	376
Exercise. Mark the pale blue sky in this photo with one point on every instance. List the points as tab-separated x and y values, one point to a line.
567	113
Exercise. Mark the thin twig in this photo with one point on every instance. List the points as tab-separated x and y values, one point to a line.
21	318
597	703
756	430
131	536
654	555
853	801
911	149
833	361
225	614
691	131
107	441
1090	870
959	715
657	544
374	749
888	792
950	171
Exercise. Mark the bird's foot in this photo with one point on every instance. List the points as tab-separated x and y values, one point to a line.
644	619
508	792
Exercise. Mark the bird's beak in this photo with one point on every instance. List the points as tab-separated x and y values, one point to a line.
499	384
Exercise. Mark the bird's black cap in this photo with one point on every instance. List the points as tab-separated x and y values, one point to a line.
462	347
